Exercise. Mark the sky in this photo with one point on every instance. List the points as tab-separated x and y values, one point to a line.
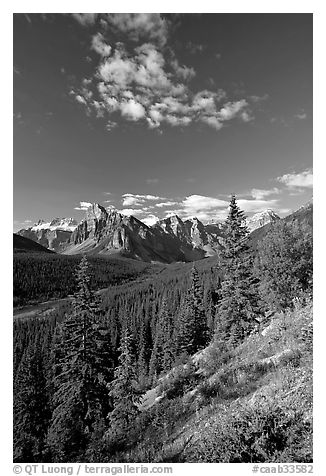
161	114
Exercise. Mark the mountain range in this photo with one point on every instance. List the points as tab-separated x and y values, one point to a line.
171	239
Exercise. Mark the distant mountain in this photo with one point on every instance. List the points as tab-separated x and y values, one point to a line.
261	219
53	235
24	245
303	215
106	231
57	224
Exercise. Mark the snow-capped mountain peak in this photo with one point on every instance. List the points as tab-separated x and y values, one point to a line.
62	224
261	218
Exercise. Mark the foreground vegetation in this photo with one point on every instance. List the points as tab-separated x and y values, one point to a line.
195	365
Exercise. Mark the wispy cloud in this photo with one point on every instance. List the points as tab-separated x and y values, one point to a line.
301	116
152	180
259	194
130	199
255	206
297	180
83	206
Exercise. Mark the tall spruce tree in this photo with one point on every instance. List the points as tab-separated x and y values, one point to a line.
162	356
123	391
192	331
197	298
83	371
239	305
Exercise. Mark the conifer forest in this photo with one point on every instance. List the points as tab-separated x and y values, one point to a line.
204	361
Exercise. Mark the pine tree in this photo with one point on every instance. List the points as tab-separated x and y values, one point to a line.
83	370
163	356
123	391
31	408
239	306
145	345
166	323
200	325
192	332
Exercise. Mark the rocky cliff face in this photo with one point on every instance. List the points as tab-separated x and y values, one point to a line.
53	235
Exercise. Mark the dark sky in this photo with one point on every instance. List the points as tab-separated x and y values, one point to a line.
156	114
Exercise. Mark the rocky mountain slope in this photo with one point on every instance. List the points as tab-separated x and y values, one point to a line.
107	232
53	235
172	239
303	215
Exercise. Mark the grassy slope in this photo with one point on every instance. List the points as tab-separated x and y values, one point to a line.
251	405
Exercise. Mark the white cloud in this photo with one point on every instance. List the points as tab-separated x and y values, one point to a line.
83	206
99	45
80	99
231	110
130	211
300	180
149	220
131	201
257	205
258	193
196	203
166	204
132	110
147	83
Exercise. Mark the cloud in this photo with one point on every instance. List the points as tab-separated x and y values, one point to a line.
301	116
146	82
195	203
166	204
130	199
150	220
80	99
255	206
99	45
231	110
85	19
258	193
130	211
83	206
152	180
299	180
194	48
132	110
137	26
200	206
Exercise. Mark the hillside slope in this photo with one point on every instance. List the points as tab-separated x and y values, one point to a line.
22	244
251	404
